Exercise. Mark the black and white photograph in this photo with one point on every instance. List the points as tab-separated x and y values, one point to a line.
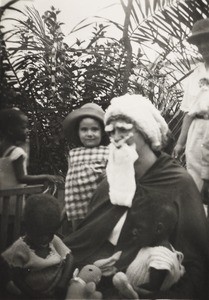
104	149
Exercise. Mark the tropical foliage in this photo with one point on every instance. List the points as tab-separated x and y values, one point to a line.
47	78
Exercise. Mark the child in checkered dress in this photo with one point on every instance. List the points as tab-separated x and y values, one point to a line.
84	127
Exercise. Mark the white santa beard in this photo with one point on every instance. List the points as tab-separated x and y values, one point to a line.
121	174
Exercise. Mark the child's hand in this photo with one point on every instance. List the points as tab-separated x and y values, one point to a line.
53	182
59	180
120	281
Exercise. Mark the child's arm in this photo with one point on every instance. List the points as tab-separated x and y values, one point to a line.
156	279
67	274
178	149
33	179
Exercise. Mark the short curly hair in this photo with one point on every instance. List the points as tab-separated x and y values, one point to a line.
9	117
155	206
42	214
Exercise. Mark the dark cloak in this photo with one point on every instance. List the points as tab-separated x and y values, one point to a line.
190	236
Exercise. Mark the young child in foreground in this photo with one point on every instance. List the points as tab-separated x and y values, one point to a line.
84	128
40	263
157	265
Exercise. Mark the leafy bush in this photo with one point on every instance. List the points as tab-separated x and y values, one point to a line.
47	78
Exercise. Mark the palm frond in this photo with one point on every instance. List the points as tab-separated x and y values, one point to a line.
7	6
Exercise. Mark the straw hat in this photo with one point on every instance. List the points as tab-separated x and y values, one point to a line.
70	123
200	28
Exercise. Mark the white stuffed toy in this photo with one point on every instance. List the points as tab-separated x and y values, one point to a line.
83	284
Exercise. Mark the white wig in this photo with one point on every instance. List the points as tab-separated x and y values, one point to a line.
143	114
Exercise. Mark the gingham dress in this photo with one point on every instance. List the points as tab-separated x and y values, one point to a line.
86	170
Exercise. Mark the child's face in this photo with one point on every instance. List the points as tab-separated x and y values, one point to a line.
20	131
145	233
41	240
90	132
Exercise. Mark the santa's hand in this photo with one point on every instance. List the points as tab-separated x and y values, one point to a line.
107	265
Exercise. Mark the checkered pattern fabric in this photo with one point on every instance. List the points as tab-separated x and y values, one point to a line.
86	170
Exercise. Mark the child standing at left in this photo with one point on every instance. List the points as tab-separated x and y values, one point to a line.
13	158
84	128
13	134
